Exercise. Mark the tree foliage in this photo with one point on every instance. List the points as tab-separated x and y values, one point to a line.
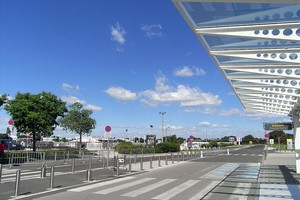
78	121
35	113
3	99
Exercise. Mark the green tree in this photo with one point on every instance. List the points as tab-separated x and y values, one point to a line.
78	121
248	138
35	113
277	134
3	99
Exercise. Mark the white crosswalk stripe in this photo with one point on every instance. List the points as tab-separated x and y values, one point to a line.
121	187
176	190
204	191
101	184
278	191
148	188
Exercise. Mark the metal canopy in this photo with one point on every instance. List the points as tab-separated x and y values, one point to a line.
256	45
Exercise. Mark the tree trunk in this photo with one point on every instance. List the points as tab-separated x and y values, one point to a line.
80	142
34	141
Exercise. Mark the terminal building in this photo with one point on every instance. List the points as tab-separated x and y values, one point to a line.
256	46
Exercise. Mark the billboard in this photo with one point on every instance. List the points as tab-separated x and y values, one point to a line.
278	126
150	140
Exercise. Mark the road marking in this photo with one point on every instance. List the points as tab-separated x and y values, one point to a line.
148	188
221	172
204	191
96	185
121	187
176	190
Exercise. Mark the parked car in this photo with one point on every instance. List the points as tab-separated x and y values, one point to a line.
12	145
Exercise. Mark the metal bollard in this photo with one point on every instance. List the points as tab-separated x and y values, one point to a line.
141	165
43	171
201	154
227	151
178	157
17	184
182	156
129	164
159	161
55	155
172	157
151	157
103	162
166	159
73	166
52	177
0	172
118	164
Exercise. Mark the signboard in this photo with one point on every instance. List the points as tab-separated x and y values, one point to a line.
289	143
150	140
278	126
271	141
231	139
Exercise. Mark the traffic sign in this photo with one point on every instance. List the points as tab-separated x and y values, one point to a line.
10	122
107	129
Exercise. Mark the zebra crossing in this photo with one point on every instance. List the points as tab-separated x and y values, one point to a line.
134	187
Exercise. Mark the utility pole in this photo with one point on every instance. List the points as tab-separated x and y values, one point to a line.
162	125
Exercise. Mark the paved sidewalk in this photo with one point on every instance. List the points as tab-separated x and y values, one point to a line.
277	178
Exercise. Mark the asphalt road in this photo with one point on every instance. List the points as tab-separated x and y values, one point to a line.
192	179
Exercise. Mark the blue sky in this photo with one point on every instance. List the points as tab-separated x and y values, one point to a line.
125	60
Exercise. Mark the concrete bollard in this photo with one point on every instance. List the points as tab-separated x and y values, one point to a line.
201	154
227	151
17	184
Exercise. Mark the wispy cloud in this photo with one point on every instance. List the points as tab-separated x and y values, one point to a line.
93	107
72	99
70	88
121	94
186	71
212	125
152	30
118	35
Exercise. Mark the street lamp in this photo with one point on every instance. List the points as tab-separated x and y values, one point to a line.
162	125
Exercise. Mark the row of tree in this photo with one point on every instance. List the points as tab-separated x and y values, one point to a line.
39	115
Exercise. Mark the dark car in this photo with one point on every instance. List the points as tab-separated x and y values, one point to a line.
12	145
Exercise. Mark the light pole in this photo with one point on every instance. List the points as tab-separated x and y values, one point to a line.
162	125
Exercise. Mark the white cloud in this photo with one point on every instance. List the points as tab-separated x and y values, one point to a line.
230	112
212	125
121	94
72	99
188	71
184	95
93	107
153	30
70	88
118	33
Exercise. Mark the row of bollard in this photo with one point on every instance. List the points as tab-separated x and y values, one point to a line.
89	170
